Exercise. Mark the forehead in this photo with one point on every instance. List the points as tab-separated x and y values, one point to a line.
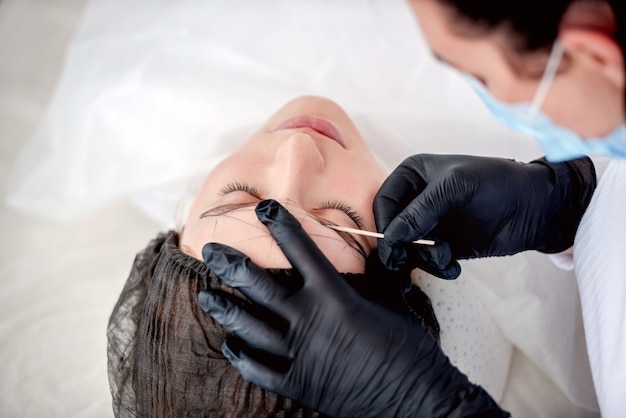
436	22
446	43
464	46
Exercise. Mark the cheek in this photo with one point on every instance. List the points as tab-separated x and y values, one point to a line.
236	168
360	191
247	159
590	107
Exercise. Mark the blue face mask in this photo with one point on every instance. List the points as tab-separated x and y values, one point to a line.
559	143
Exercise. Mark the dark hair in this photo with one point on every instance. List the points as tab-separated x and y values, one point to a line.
619	8
534	23
164	352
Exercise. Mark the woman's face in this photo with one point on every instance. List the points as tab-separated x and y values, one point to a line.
581	98
310	157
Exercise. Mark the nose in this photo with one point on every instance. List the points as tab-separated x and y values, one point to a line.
298	162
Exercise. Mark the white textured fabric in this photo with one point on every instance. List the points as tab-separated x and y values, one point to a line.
470	337
600	262
537	307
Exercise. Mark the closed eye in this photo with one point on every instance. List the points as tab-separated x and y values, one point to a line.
253	192
331	204
240	187
347	209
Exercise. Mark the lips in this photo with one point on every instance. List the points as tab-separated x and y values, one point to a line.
320	126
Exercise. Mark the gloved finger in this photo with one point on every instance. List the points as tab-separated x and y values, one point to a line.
412	223
420	216
397	191
396	256
436	260
444	270
393	257
269	376
297	246
456	189
242	323
451	272
238	271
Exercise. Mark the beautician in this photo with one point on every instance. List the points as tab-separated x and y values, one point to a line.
553	70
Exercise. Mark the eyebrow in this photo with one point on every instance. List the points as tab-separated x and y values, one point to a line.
224	209
227	208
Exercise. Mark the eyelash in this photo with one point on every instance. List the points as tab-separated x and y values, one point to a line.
331	204
348	210
240	187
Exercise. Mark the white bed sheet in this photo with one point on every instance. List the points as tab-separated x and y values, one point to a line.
79	107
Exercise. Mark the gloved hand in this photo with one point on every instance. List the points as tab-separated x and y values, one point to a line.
478	207
322	344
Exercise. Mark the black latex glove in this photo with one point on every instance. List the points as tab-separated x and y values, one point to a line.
327	346
478	207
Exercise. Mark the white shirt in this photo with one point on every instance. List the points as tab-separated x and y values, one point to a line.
600	264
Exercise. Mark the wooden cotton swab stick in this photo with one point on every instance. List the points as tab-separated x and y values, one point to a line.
375	234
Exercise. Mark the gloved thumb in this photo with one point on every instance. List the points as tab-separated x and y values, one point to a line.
415	220
436	260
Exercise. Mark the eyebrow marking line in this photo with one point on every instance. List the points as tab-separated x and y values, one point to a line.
254	225
341	240
226	209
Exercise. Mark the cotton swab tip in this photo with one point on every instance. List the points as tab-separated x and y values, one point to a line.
375	234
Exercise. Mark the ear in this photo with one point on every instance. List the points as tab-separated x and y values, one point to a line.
597	48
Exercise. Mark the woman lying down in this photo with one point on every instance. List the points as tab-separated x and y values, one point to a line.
164	352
